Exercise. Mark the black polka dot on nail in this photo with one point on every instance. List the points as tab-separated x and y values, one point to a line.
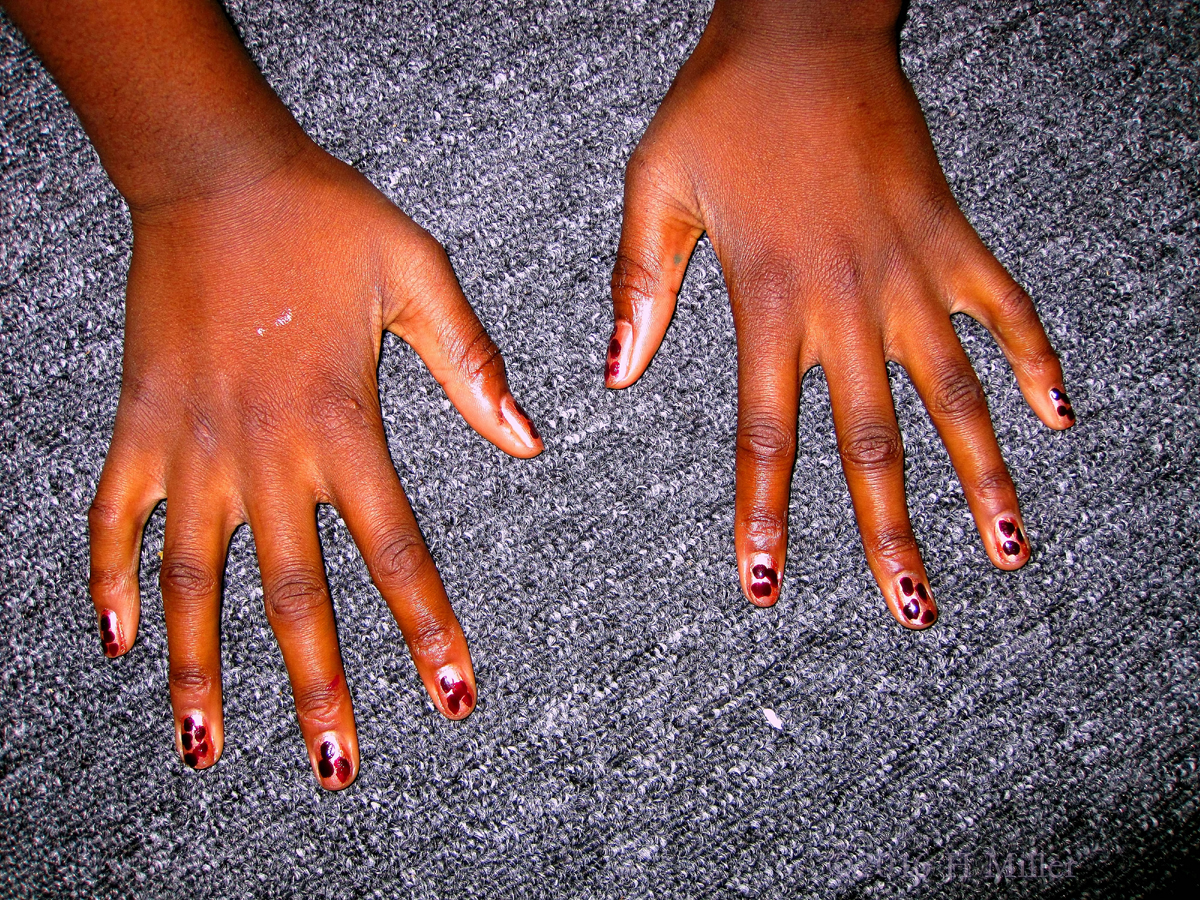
911	609
1007	528
186	740
928	617
921	590
327	749
189	723
1012	548
190	759
759	571
1062	410
906	585
325	767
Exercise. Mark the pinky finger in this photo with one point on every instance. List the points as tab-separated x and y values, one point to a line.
1007	311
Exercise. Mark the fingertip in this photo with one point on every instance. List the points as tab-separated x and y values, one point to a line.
761	579
525	442
453	691
911	602
1007	545
115	637
618	370
1060	415
334	760
198	739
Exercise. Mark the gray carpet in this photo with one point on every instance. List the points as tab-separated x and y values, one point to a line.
620	747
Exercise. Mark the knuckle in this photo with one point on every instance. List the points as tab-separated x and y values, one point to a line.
871	446
108	581
400	559
480	356
433	637
186	579
105	514
262	417
1042	363
190	679
767	441
839	272
295	594
319	701
994	485
632	280
764	527
958	396
771	284
935	210
337	410
894	544
1015	306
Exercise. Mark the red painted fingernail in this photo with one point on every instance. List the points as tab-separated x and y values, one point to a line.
456	693
1062	405
915	601
620	348
332	762
1010	537
764	579
111	637
518	420
196	744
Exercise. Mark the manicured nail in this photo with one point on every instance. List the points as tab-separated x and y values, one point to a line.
916	603
1010	537
196	741
620	348
111	637
764	580
1062	404
519	421
333	763
456	693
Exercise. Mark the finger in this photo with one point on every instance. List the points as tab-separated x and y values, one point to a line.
951	391
873	459
194	546
431	314
990	295
127	494
370	499
768	398
297	602
657	239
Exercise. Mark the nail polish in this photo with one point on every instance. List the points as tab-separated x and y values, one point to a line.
619	350
1062	405
333	764
195	737
1010	537
518	420
916	603
764	579
111	637
456	693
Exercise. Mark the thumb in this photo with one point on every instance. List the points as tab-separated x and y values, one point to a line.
427	309
658	235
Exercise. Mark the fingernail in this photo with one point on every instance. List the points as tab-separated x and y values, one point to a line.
111	637
1010	537
620	348
1062	405
764	580
915	601
196	741
332	762
519	421
456	693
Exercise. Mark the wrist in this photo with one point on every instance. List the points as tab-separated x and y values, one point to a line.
798	30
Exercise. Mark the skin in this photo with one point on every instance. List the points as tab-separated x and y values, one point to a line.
793	138
264	273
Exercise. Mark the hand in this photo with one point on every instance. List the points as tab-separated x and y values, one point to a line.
794	139
254	323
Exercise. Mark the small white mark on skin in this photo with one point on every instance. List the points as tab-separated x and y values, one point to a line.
260	331
284	318
772	719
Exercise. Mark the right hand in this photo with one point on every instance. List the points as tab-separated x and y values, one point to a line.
254	320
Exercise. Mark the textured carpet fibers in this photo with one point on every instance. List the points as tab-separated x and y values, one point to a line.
620	747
